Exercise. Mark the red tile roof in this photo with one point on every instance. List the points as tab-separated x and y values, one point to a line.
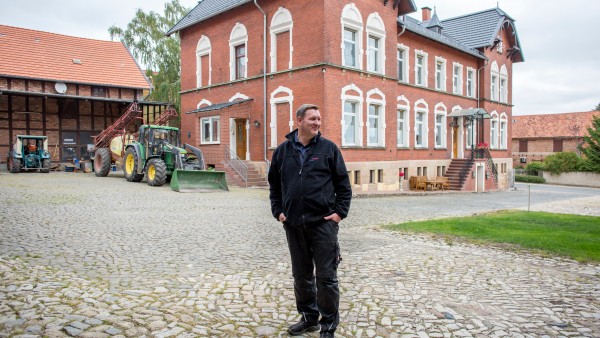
41	55
552	125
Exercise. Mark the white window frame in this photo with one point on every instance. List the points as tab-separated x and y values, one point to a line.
471	84
421	107
474	131
503	84
376	29
372	100
358	99
457	78
494	130
503	131
210	120
494	75
352	20
440	73
280	23
405	67
238	36
422	80
440	110
288	98
403	105
202	49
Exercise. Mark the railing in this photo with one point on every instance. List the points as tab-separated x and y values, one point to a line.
236	164
484	153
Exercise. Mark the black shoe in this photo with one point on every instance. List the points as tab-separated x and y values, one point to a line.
302	326
326	334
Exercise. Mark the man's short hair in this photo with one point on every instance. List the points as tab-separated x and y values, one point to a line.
301	111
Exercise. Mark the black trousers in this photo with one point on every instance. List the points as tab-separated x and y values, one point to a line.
315	254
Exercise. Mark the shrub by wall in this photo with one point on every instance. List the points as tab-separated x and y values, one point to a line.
529	179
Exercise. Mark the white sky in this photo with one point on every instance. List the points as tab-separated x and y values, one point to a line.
560	40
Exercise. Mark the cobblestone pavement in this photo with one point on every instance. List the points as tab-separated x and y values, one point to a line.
99	257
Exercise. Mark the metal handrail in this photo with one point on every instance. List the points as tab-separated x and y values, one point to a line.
234	162
489	163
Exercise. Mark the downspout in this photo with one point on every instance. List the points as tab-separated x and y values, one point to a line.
264	81
485	63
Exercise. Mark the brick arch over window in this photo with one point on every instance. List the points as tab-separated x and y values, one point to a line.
238	96
203	103
281	24
352	35
238	43
203	69
352	122
375	44
282	102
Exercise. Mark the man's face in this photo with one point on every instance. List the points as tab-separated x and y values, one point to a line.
311	123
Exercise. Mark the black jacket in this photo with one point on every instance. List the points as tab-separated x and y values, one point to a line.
317	189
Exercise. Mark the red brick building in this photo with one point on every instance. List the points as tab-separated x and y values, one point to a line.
67	88
395	93
536	136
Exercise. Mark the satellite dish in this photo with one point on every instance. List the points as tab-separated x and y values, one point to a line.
60	87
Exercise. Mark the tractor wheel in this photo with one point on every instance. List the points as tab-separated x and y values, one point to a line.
14	164
45	165
102	162
130	166
156	172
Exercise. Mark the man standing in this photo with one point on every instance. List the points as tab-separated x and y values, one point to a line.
310	194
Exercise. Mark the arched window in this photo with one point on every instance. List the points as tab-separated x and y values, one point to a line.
352	101
503	131
238	60
352	29
203	62
494	78
421	123
403	120
375	118
440	125
281	40
375	44
503	84
282	118
494	130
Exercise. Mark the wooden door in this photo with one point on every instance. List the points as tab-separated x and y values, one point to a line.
455	142
240	139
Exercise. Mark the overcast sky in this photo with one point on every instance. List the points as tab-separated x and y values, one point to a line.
560	40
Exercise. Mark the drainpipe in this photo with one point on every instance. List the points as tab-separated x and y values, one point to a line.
264	80
485	63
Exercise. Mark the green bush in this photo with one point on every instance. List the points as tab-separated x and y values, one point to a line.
562	163
534	167
529	179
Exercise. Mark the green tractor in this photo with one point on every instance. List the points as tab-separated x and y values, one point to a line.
29	153
157	155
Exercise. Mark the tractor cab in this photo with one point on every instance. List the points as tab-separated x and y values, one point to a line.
29	152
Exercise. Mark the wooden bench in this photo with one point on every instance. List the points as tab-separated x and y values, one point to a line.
443	182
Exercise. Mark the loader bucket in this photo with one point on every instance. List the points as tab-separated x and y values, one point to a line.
198	180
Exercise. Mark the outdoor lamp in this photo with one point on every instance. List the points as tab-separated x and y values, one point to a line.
256	123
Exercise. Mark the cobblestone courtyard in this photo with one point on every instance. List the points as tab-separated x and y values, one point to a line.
99	257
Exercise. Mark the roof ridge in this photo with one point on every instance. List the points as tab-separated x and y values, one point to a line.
496	9
53	33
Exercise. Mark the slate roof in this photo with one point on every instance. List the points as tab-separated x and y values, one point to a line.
205	9
218	106
564	125
32	54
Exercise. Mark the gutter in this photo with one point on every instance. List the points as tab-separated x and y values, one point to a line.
264	81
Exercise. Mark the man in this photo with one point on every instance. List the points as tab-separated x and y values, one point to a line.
310	194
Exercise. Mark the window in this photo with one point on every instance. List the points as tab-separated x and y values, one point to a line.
503	131
440	73
503	84
98	91
281	98
470	82
375	44
352	99
421	129
471	133
457	79
238	40
440	125
494	82
421	68
375	118
402	122
357	177
402	63
352	33
203	62
280	25
210	130
494	130
380	176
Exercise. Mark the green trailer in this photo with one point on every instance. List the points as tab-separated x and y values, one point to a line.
29	153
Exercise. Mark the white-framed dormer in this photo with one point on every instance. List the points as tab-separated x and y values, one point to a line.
351	121
494	130
281	23
278	96
471	82
457	78
503	131
238	96
203	51
403	122
440	73
503	84
352	36
421	129
375	118
375	44
420	68
440	122
238	51
402	60
494	80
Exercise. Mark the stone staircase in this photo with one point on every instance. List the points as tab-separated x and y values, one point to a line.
455	168
255	178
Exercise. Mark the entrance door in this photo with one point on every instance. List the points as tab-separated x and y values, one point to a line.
455	142
240	139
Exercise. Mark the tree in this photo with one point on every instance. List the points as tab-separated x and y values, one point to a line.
591	145
158	54
597	107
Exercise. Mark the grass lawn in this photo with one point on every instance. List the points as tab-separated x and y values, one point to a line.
572	236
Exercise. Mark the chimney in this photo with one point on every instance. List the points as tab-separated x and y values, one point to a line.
426	13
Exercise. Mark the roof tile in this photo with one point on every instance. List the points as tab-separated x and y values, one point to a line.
552	125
